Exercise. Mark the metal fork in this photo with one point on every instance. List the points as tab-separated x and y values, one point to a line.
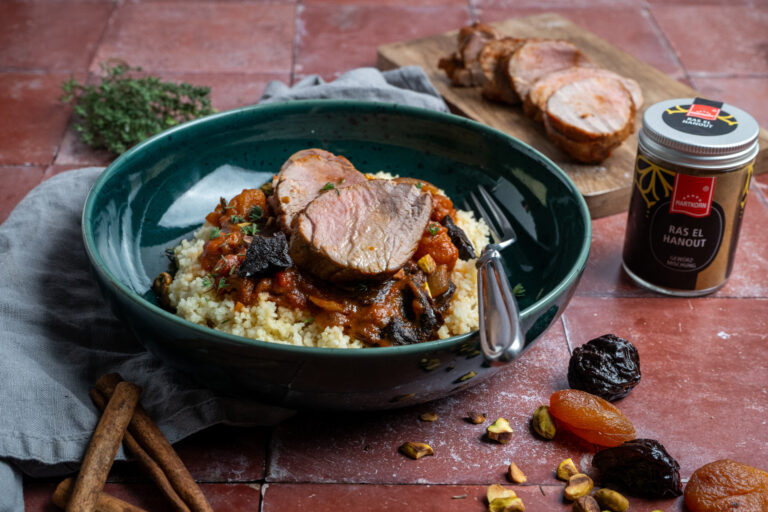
501	336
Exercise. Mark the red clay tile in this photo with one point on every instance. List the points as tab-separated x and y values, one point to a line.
738	46
74	152
604	276
705	368
391	498
204	37
354	448
333	39
555	5
411	3
628	28
33	120
230	90
761	182
245	497
554	496
747	93
50	35
225	454
15	182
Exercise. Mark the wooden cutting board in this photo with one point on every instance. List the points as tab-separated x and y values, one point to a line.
605	187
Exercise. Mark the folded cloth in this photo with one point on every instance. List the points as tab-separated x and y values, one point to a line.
57	336
406	86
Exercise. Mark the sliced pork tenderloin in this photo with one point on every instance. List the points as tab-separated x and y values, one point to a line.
538	58
497	86
303	177
365	231
589	118
463	67
538	95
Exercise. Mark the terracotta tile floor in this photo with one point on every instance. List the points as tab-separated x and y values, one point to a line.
705	364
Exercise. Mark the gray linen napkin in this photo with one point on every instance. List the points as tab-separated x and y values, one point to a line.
57	336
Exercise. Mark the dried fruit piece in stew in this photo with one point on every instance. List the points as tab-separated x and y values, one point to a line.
590	417
641	467
608	366
726	485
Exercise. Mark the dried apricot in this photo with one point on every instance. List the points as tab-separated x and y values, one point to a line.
725	485
590	417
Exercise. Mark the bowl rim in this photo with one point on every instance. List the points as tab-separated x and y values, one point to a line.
304	105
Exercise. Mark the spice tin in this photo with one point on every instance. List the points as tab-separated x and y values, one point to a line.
694	162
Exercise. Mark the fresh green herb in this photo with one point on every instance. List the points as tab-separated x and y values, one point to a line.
518	290
328	186
222	283
419	185
236	219
215	232
256	213
224	321
309	320
124	109
207	283
250	229
433	229
233	270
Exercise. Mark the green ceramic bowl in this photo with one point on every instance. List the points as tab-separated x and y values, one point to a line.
159	192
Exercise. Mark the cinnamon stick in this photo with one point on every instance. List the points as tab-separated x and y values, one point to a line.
104	444
145	461
105	503
154	443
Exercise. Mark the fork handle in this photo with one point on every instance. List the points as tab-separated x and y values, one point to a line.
501	337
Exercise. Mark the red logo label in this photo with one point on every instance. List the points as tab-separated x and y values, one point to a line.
692	195
703	112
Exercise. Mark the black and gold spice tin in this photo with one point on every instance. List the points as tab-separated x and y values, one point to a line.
694	163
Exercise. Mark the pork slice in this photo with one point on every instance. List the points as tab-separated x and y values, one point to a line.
463	67
537	58
496	86
538	95
588	119
365	231
302	178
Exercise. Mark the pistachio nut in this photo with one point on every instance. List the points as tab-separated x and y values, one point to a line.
428	416
416	450
578	485
497	491
506	505
515	474
543	423
566	469
475	417
612	500
500	431
586	504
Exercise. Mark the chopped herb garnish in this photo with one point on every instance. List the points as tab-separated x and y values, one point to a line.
222	283
224	205
256	213
207	283
309	320
215	232
328	186
224	321
233	270
518	290
236	219
433	229
419	185
250	229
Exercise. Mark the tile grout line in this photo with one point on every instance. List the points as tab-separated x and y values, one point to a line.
95	51
646	11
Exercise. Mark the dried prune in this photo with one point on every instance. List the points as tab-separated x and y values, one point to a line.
459	239
265	254
641	467
726	485
608	366
590	417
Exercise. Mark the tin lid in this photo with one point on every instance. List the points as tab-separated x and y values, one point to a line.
700	132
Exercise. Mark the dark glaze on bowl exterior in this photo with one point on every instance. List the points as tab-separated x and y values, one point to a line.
157	193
